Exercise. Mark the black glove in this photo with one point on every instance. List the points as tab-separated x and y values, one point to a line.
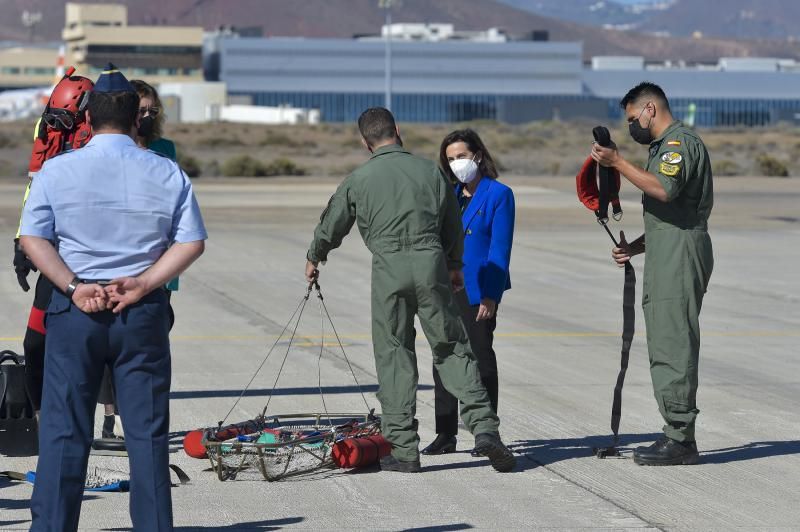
22	266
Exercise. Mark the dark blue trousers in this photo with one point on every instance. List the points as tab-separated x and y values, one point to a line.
135	345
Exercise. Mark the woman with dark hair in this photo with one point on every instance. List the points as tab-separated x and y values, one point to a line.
151	121
151	124
487	215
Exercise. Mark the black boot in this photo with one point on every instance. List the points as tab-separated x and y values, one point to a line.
666	451
108	428
443	444
490	445
390	463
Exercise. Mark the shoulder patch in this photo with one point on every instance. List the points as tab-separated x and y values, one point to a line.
672	157
670	170
673	143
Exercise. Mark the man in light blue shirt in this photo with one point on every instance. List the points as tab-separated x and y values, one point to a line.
109	225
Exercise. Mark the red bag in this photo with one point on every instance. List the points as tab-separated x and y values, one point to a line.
588	191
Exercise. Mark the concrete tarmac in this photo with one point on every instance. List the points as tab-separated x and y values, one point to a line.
557	341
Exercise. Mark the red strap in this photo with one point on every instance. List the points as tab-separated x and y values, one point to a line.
586	184
36	320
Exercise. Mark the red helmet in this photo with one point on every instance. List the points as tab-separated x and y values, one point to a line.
71	94
63	124
67	102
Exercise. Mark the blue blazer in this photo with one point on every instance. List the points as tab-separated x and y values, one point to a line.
488	233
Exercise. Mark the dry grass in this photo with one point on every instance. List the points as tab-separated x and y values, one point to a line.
536	149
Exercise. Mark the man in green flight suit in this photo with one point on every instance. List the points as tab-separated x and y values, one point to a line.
677	200
408	217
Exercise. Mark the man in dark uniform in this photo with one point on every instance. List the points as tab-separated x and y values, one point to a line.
408	216
108	225
678	197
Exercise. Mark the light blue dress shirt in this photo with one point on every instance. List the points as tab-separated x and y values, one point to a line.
111	208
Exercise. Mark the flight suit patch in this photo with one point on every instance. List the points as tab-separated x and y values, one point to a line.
670	170
673	143
672	157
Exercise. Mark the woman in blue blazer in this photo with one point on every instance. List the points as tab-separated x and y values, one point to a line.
487	214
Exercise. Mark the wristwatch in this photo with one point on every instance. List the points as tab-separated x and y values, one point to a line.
72	286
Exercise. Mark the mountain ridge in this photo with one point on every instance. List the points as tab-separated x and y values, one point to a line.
345	18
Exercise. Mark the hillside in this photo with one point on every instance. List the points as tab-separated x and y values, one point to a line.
759	19
344	18
738	19
588	12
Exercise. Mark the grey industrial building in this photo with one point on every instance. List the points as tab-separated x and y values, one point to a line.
454	81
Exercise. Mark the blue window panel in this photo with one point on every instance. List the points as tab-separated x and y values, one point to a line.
453	108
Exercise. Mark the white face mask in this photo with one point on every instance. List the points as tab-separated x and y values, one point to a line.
465	170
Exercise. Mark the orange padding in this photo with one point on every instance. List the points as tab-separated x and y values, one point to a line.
586	183
360	452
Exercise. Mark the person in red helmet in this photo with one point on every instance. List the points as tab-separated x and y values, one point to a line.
62	127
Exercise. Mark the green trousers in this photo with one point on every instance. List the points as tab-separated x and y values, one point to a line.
410	280
678	265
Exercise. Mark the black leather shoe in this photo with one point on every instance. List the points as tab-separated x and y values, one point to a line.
474	453
666	451
390	463
490	445
443	444
652	447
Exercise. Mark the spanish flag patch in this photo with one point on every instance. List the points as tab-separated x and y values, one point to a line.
673	143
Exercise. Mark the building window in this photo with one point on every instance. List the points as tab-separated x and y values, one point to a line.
40	71
10	70
107	49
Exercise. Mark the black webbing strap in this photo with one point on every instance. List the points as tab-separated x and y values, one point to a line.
628	322
183	478
603	138
603	185
603	175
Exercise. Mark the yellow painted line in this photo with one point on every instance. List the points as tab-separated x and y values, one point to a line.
313	340
316	344
531	334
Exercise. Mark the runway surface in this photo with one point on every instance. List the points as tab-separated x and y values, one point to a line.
558	352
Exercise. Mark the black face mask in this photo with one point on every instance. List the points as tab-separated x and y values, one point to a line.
638	133
146	125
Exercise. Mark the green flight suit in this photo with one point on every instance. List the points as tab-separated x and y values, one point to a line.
408	217
677	268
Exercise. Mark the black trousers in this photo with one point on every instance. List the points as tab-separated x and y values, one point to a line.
481	337
33	343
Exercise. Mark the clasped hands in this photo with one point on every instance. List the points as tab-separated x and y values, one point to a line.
115	296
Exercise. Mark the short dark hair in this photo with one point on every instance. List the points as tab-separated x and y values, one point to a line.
113	110
643	90
474	143
377	124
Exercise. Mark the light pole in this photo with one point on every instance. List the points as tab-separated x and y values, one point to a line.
30	19
387	6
